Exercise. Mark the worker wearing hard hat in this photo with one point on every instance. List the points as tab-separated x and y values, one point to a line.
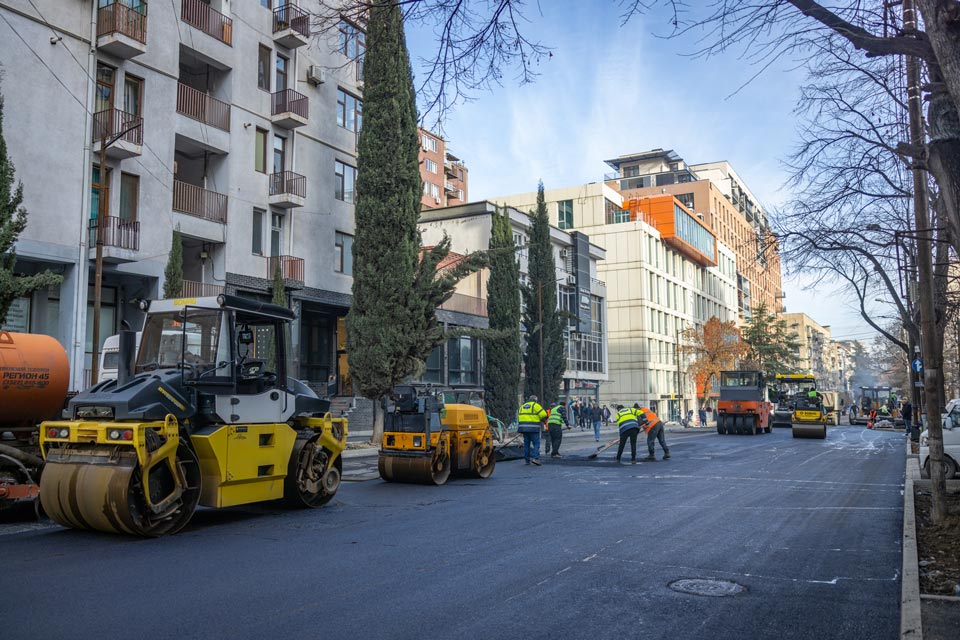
653	427
530	419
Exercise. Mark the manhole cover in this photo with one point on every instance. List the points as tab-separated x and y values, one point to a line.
704	587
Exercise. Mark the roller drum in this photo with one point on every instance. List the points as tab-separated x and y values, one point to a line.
810	431
414	469
109	496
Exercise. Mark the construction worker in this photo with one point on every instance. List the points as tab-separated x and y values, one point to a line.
555	424
653	427
530	419
629	429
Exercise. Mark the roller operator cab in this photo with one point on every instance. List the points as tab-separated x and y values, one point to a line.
209	416
425	440
743	407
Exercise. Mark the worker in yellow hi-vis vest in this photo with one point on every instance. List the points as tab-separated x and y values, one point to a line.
531	417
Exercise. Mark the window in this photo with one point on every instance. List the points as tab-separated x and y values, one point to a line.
460	194
133	95
279	154
429	143
431	165
282	64
343	254
349	111
686	199
461	360
105	79
631	172
129	194
565	214
276	234
345	182
257	245
95	193
260	152
263	68
352	40
614	214
265	4
434	366
434	190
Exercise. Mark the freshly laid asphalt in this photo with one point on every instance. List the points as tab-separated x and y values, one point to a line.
808	532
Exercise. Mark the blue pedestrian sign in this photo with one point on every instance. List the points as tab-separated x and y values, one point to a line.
917	365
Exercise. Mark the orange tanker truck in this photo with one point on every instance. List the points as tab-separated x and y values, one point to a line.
34	374
743	407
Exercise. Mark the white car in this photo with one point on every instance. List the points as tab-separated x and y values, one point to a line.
951	442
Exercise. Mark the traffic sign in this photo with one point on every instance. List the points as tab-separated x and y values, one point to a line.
917	365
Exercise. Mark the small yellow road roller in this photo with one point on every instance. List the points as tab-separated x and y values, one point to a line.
425	441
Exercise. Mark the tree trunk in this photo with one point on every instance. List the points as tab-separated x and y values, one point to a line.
377	421
943	161
941	23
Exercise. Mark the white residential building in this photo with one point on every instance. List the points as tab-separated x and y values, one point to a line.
658	284
229	121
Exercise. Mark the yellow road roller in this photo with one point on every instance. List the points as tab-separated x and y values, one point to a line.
425	441
208	416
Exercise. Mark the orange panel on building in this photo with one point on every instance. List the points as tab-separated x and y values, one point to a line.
693	238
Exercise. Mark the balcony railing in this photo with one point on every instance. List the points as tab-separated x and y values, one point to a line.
200	106
119	17
199	202
193	289
113	122
466	304
289	16
291	268
207	19
448	186
117	232
291	101
288	182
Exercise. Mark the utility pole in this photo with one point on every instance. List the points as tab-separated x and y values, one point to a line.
98	279
928	343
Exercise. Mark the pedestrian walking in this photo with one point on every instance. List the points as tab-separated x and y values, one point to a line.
555	424
653	427
575	418
584	414
605	415
530	417
907	412
629	429
702	414
596	417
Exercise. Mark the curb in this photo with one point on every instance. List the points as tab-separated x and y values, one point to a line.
910	621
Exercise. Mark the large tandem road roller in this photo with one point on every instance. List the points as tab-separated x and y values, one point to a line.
425	441
743	407
208	417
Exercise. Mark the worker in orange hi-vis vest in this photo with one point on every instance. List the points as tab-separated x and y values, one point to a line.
653	427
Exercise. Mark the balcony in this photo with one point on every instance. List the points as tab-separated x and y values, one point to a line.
193	289
291	26
202	107
287	189
121	239
289	109
460	303
198	202
291	270
122	131
122	29
202	16
450	188
449	169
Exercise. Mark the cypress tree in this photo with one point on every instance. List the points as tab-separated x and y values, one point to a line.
501	379
13	220
173	273
540	310
392	325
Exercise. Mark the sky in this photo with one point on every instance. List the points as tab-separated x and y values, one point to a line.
609	90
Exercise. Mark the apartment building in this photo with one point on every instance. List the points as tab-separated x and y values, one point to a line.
665	271
444	175
580	293
715	191
228	121
817	352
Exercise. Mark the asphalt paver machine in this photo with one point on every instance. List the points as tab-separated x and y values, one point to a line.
425	441
207	417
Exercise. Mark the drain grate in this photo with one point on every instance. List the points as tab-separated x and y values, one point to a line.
706	587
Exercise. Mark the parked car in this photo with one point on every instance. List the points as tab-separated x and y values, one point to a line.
951	442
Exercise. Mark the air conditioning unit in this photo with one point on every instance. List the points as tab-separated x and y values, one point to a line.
316	74
436	199
571	278
564	254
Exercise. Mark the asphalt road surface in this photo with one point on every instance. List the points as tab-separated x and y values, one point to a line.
804	533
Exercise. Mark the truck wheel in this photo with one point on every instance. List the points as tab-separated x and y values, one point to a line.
949	468
753	426
721	427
